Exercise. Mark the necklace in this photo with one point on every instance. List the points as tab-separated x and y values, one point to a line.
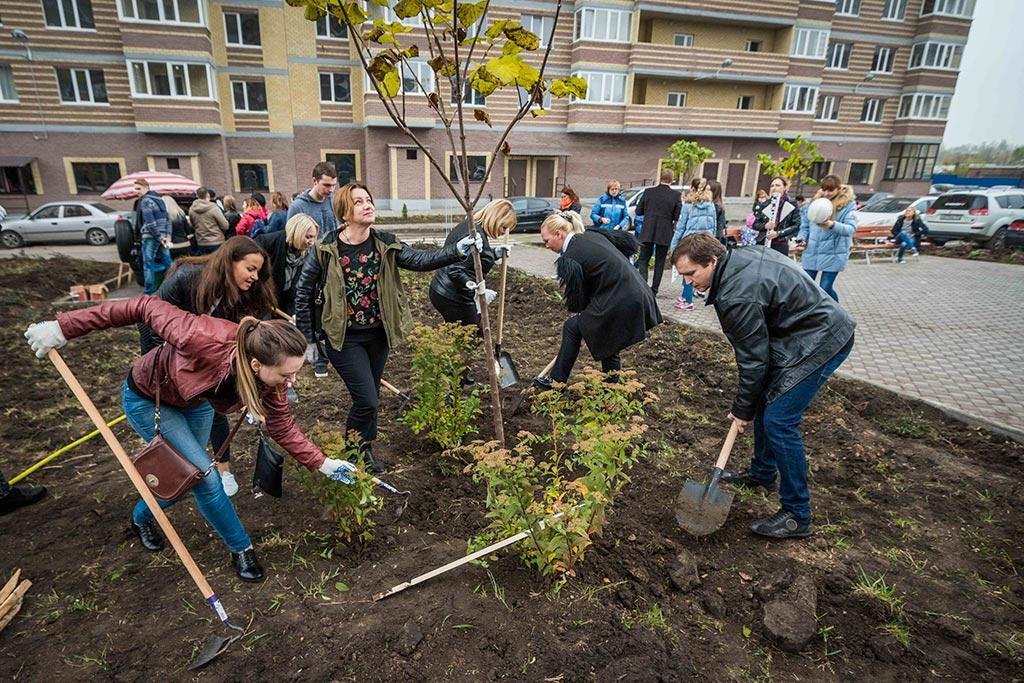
347	240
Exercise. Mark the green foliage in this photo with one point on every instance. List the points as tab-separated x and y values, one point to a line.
440	359
909	427
684	156
801	154
352	505
576	471
405	211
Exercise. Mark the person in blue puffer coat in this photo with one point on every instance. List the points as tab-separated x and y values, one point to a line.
699	214
828	244
609	213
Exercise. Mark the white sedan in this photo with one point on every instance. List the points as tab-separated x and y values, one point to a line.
90	222
884	212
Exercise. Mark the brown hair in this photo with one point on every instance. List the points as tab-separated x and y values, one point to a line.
229	203
269	342
141	181
217	288
496	218
278	202
342	201
716	191
699	247
700	193
248	204
761	191
608	187
324	168
570	193
667	175
831	182
785	183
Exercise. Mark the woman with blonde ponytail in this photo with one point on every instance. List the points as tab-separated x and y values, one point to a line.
205	364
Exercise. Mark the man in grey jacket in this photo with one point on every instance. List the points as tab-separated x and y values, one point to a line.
789	337
208	222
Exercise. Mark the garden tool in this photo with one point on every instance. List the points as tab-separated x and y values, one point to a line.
391	489
517	402
217	644
508	375
702	509
61	451
397	392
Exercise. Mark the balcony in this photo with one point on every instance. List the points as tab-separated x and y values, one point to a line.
593	118
681	62
644	118
418	113
748	12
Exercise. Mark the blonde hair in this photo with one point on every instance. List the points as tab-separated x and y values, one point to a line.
249	203
701	193
564	221
269	342
173	210
496	218
910	208
295	230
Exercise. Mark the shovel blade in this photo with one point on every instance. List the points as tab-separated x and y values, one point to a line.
700	510
508	375
215	647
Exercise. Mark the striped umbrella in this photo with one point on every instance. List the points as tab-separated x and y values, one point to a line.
160	182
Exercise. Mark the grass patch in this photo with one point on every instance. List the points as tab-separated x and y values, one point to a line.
653	618
909	427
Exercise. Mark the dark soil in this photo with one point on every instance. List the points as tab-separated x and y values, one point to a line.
976	253
922	507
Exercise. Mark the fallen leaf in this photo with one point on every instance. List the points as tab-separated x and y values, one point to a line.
746	631
746	577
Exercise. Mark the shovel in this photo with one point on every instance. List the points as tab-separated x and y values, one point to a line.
403	396
517	402
702	509
405	495
508	375
217	644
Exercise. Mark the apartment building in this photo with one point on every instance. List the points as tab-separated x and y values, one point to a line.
247	95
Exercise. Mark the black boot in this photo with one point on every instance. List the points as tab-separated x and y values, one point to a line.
373	465
149	536
745	478
542	383
20	496
247	566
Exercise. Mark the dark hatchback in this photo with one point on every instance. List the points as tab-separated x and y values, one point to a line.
531	212
1014	235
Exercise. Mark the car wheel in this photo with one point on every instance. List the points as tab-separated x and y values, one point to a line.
124	235
938	243
11	239
998	240
97	237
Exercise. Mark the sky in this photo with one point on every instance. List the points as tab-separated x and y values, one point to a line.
988	104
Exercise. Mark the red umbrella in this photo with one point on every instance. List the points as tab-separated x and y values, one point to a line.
160	182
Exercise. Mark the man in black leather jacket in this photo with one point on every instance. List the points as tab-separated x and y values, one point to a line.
789	337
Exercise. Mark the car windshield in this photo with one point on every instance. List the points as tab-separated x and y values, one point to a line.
629	194
890	205
103	207
960	202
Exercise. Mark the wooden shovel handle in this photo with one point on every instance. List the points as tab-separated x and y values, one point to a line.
501	293
390	387
133	474
547	368
730	439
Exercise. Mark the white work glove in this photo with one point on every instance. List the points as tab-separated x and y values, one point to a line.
45	336
310	353
466	244
338	470
502	251
489	294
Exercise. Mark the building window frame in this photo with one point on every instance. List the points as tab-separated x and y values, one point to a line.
449	164
847	8
171	78
883	60
470	97
894	10
236	174
69	171
682	40
872	110
838	56
870	163
346	152
523	95
250	96
676	98
133	17
745	99
610	82
540	25
960	9
8	88
86	88
326	23
809	43
586	25
234	18
57	10
910	160
935	54
332	81
827	108
799	98
754	46
924	106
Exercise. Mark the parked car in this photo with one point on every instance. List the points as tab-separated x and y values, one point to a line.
1015	235
632	197
886	211
981	216
531	212
90	222
865	198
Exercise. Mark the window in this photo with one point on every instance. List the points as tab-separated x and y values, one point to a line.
540	25
76	211
683	40
745	102
894	10
677	99
345	165
545	102
602	24
253	177
810	43
167	79
92	177
871	112
924	106
755	45
469	96
838	56
860	173
848	8
412	154
331	28
819	169
70	14
173	164
828	108
7	90
83	86
963	9
175	11
249	95
602	87
50	211
335	87
883	60
936	55
799	98
387	14
242	28
910	161
477	165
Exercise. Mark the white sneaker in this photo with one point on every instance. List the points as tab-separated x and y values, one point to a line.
227	480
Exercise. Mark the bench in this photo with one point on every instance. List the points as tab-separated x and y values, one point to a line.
874	240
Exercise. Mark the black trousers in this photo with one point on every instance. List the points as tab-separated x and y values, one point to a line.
360	362
572	337
660	251
454	311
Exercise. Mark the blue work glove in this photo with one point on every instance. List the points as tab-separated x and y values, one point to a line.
338	470
466	244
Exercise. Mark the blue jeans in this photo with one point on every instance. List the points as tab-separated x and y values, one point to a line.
204	249
187	430
778	445
906	242
828	279
687	294
156	259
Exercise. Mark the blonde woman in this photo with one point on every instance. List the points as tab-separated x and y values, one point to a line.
212	364
452	290
181	229
287	250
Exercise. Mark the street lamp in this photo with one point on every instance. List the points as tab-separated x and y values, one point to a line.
726	63
867	79
22	37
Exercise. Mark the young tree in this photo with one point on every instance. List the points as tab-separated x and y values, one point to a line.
802	154
465	53
684	156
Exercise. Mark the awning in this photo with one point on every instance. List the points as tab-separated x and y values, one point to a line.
16	161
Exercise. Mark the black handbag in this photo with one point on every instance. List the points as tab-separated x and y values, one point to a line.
267	474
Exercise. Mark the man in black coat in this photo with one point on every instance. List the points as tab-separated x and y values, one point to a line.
613	308
660	208
789	337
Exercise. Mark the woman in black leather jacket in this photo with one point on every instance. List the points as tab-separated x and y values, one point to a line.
361	314
774	223
450	291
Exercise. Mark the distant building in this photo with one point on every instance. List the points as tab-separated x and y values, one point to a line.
248	95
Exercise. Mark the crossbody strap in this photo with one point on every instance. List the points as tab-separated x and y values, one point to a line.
231	437
156	371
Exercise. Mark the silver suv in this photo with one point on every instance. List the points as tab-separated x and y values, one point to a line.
980	216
